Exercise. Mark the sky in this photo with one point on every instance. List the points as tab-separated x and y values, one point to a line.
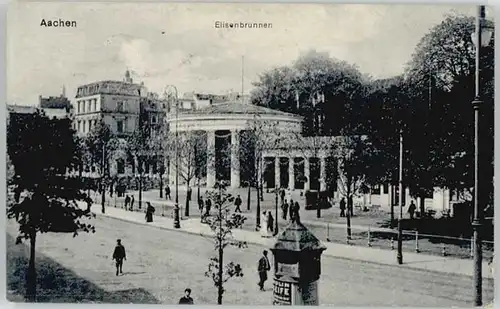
177	44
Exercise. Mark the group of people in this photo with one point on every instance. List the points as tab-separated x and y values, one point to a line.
290	210
204	206
129	202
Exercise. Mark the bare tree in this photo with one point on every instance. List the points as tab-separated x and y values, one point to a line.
355	156
221	225
191	158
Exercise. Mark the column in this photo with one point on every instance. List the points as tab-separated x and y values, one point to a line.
322	174
210	159
277	175
407	196
291	173
171	175
235	159
307	173
389	195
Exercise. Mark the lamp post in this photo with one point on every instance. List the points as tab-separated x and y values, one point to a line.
177	223
481	38
276	211
400	228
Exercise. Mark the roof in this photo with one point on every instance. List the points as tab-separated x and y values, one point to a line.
55	102
237	107
296	237
109	87
22	109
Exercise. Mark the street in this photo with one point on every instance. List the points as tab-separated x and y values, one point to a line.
164	263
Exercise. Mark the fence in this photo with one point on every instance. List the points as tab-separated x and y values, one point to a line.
413	241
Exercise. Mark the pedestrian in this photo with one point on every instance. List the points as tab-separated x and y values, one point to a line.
284	208
208	207
342	207
189	193
201	205
111	190
119	255
132	199
127	201
186	299
282	195
294	213
149	212
237	203
270	222
167	193
263	268
411	209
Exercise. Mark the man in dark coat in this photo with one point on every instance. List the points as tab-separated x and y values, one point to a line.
127	201
237	203
284	207
411	209
263	268
149	213
342	207
186	299
167	193
208	207
119	255
294	212
132	203
282	195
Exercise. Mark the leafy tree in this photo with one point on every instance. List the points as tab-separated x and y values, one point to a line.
42	151
222	225
441	88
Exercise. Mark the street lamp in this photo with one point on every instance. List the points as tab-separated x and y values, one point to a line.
400	228
177	223
481	38
276	210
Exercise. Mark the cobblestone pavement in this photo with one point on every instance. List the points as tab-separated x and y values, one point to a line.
164	263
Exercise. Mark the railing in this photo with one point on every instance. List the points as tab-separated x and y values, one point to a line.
413	241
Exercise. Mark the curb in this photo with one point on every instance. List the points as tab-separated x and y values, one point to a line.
262	245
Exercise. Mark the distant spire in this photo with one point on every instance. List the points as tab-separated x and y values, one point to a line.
127	78
63	93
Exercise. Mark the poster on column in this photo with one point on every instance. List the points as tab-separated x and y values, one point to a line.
282	293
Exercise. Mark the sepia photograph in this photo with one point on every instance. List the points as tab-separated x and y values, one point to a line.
250	154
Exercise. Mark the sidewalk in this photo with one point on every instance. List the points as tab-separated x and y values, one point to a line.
370	255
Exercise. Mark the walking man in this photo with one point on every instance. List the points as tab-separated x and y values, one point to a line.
263	268
285	209
411	210
342	207
149	212
119	255
237	203
132	203
189	193
167	193
208	207
127	201
282	195
186	299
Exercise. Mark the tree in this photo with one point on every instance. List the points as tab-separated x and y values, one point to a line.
101	146
311	146
139	148
355	156
192	158
42	151
221	225
441	79
259	137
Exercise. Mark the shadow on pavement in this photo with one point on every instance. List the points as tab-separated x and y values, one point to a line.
57	284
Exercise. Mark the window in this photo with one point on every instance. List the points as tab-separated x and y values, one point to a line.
119	126
78	106
119	106
95	105
153	119
79	126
